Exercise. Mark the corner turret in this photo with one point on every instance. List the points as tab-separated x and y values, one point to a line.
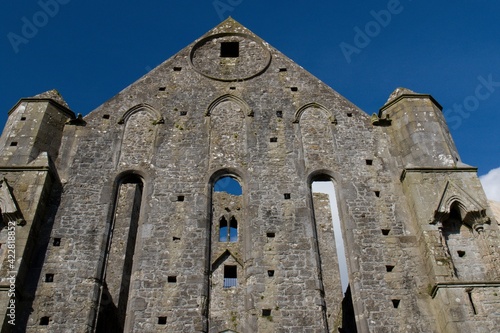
34	125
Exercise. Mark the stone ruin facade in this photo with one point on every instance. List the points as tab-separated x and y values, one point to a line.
119	228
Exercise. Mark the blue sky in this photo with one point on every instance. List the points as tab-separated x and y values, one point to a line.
91	50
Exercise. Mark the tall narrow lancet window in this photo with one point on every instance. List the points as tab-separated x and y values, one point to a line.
227	271
119	255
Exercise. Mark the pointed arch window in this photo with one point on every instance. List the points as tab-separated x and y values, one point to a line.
228	232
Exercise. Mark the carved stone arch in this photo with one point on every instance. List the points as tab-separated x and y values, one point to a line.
314	105
472	213
158	119
245	108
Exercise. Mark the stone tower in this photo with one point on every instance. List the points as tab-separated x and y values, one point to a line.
185	204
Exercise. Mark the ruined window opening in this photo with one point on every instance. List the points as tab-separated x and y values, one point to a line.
395	303
294	89
223	229
56	242
369	162
287	196
389	268
266	312
385	232
44	321
228	232
230	276
270	273
461	253
180	198
324	184
273	139
162	320
49	277
271	235
172	279
279	114
106	116
13	144
23	118
177	69
229	49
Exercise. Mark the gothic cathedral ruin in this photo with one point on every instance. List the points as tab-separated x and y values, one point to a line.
185	204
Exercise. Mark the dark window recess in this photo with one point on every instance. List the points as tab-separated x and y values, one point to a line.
377	194
294	88
287	196
385	232
230	276
229	49
49	277
266	312
369	162
162	320
279	114
172	279
271	235
389	268
395	303
23	118
270	273
183	113
180	198
106	116
162	88
349	114
282	69
57	242
13	144
461	253
177	69
273	139
44	321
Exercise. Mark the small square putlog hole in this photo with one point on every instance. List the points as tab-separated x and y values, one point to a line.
49	277
461	253
56	242
172	279
389	268
279	114
271	235
386	232
369	162
273	139
287	196
162	320
270	273
266	312
44	321
230	49
395	303
180	198
377	194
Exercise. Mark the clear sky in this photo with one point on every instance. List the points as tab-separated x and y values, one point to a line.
90	50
